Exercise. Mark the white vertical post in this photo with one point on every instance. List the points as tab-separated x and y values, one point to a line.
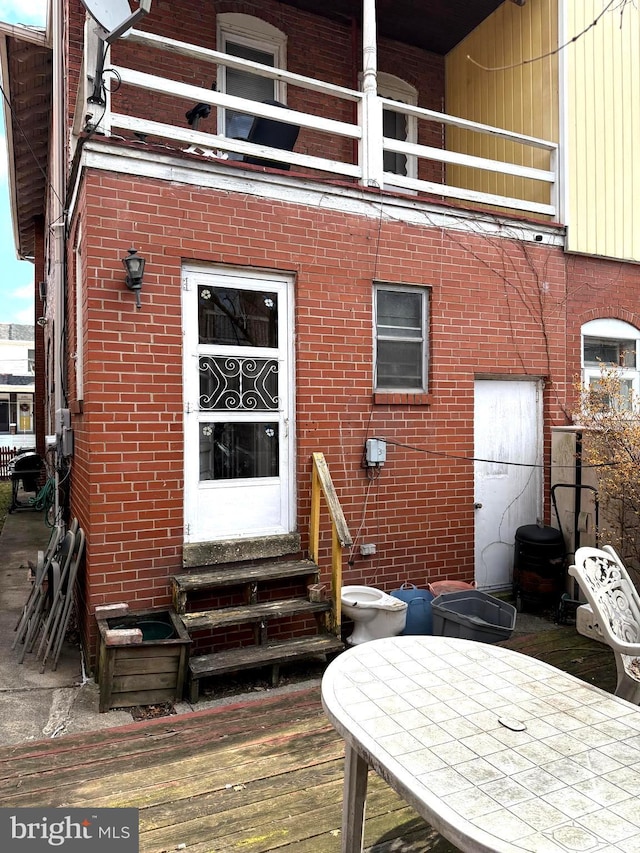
370	111
561	170
57	219
555	187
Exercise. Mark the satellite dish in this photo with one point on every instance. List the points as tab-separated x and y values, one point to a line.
114	17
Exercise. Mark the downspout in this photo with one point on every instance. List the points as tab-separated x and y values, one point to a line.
57	221
40	396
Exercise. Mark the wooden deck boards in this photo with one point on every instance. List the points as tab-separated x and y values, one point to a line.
254	777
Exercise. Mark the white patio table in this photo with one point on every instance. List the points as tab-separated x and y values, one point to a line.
496	750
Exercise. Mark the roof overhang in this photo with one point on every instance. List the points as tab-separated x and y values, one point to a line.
26	76
435	25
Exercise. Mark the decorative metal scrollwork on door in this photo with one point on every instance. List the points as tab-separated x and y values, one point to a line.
229	383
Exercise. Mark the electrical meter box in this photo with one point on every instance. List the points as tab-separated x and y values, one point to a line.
375	451
63	420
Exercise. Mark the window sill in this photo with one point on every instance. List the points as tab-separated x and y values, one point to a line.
403	398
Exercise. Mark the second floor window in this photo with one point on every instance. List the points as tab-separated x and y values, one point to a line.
401	338
255	40
398	125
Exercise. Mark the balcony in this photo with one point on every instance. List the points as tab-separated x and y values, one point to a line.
341	130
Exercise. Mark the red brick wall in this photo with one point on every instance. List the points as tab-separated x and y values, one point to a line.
597	288
497	308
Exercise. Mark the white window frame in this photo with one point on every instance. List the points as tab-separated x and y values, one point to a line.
258	35
425	294
614	330
396	89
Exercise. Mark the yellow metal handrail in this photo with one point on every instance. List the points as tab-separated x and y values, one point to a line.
322	484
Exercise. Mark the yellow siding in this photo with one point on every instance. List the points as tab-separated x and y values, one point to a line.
603	123
516	94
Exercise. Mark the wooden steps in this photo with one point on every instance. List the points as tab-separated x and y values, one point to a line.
263	605
269	654
230	575
252	613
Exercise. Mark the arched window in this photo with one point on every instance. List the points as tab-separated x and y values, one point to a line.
608	343
398	126
255	40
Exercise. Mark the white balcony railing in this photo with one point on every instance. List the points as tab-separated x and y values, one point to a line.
535	185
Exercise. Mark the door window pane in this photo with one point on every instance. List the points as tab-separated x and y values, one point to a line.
230	317
238	451
238	384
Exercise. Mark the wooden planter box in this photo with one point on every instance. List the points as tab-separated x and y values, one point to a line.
147	673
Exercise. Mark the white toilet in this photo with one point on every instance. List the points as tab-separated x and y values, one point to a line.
374	613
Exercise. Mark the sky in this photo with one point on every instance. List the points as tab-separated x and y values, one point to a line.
16	280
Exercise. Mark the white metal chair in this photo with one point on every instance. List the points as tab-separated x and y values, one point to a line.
615	602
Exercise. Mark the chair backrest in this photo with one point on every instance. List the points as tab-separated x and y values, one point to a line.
74	563
610	591
274	134
60	563
45	557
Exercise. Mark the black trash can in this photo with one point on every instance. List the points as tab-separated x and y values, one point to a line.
539	565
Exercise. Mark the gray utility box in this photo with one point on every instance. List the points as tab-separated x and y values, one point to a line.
473	615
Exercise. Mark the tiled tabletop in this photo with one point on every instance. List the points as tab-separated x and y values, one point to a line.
497	751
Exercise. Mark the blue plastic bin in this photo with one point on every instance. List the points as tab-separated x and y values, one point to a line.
419	617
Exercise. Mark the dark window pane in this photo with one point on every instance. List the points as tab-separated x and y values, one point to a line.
243	84
622	353
233	451
399	364
394	126
230	317
4	416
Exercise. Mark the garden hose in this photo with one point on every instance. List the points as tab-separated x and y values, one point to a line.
44	499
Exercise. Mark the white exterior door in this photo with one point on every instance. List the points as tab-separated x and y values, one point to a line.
238	381
508	473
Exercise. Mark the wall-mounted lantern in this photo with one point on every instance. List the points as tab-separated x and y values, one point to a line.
134	265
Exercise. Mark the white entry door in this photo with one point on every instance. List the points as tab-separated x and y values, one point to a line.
508	473
238	382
